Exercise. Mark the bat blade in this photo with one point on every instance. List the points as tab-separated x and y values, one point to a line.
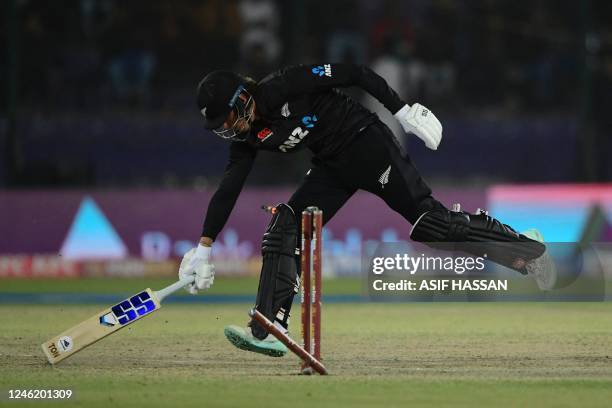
100	325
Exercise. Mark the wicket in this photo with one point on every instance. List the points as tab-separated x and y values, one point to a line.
311	263
287	341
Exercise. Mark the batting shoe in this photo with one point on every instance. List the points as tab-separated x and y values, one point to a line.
542	269
242	338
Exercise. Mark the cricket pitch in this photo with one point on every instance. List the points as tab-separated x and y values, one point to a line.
443	354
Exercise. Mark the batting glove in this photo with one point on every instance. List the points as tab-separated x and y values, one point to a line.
420	121
196	262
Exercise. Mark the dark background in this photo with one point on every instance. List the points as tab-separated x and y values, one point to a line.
101	93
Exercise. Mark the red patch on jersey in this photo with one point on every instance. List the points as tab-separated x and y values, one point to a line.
264	134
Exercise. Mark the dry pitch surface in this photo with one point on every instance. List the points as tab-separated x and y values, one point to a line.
452	354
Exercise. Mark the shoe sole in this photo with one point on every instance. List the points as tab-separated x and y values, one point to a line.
242	344
544	271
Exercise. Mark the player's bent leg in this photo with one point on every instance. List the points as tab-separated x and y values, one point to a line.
280	269
278	284
386	170
479	234
279	280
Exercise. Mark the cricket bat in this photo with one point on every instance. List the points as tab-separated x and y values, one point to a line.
108	321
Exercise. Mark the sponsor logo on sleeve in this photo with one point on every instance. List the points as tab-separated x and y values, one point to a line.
323	70
264	133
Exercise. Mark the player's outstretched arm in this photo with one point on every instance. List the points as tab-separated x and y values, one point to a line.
197	262
297	80
300	79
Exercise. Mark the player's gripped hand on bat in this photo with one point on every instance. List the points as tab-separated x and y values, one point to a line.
420	121
197	262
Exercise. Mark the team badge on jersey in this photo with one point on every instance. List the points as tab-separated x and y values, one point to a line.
263	134
384	177
285	110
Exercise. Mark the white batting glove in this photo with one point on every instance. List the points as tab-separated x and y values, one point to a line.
196	262
420	121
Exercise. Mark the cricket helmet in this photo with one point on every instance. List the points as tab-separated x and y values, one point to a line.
218	94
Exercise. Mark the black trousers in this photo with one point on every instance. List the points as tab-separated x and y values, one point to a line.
373	162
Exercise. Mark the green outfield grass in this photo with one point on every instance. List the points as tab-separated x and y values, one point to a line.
441	354
223	285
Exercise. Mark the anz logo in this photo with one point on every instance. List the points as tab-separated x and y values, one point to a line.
309	121
298	134
323	70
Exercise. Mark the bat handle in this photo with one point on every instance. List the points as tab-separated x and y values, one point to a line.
168	290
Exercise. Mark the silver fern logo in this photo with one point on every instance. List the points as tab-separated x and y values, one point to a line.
285	110
384	178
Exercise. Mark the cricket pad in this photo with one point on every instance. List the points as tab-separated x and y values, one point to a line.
279	280
476	234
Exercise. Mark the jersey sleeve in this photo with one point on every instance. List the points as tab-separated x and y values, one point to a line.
222	203
297	80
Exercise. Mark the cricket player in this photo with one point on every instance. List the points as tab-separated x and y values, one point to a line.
301	106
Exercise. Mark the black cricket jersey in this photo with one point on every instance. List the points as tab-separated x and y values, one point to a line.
299	107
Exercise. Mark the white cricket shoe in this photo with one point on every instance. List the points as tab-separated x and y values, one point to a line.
542	269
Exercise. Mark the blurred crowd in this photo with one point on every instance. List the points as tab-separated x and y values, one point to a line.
505	55
466	59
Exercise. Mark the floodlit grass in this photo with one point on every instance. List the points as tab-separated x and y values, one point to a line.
435	354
